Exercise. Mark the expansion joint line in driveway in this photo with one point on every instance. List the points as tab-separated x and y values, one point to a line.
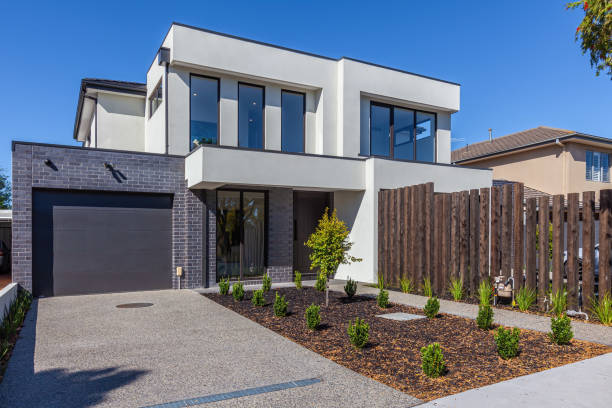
192	402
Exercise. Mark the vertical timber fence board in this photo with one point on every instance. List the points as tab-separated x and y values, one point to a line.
398	236
588	248
429	205
406	232
414	261
506	229
543	249
420	244
495	227
474	240
517	239
446	240
483	256
388	276
530	244
605	202
381	252
455	248
464	235
572	251
437	248
558	221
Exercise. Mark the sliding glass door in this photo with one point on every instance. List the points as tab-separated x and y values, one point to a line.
241	234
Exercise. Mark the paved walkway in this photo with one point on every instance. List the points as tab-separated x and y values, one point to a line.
583	331
82	351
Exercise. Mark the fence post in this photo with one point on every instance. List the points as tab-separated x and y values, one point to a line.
429	205
446	240
474	239
464	237
558	221
572	251
530	244
495	226
588	248
437	248
483	256
419	245
543	249
455	229
381	231
605	229
517	267
506	231
406	255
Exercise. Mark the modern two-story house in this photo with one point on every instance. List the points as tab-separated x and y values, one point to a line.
221	163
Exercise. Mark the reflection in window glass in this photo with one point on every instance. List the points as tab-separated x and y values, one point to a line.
253	204
380	130
403	134
228	234
204	111
292	122
250	116
425	136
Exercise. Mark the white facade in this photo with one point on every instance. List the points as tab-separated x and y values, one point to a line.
336	156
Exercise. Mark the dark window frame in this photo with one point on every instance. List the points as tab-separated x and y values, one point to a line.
156	95
392	132
191	75
263	116
303	118
266	221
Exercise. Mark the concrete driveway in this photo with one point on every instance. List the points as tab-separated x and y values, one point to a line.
83	351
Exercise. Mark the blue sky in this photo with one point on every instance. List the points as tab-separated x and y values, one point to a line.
517	62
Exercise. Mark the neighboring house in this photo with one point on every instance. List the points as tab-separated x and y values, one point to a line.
222	163
553	161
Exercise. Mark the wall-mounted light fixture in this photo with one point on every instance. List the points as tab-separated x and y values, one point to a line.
50	164
108	166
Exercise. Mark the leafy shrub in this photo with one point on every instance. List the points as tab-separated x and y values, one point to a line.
561	329
432	307
525	298
313	319
383	299
485	291
427	290
298	280
321	283
507	341
485	317
406	285
224	286
456	289
358	332
266	283
13	318
280	305
558	301
238	291
258	298
350	288
432	360
603	309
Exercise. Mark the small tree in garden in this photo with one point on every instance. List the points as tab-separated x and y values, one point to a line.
330	247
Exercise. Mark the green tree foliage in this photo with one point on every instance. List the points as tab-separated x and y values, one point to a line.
5	191
550	239
330	247
595	33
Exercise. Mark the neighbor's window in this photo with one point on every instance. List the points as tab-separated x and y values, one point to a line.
292	121
250	116
155	99
204	111
597	166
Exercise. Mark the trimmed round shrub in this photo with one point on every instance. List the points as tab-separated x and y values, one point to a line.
238	291
507	341
359	333
313	319
224	286
258	298
432	360
280	306
432	307
266	283
485	317
561	329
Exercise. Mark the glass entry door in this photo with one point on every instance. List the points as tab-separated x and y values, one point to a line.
241	234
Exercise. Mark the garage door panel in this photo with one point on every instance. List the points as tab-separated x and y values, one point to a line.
100	242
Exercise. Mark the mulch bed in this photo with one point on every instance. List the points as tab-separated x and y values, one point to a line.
392	355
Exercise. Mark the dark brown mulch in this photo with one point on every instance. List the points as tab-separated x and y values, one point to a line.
392	354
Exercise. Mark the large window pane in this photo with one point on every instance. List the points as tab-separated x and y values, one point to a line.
253	205
292	122
403	132
204	111
425	135
228	234
250	116
380	130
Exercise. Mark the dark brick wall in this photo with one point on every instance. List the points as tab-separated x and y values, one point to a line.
83	169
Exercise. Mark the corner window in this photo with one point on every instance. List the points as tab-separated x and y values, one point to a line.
292	121
401	133
597	166
156	98
250	116
203	111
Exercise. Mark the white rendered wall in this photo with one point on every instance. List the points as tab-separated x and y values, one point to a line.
120	122
155	125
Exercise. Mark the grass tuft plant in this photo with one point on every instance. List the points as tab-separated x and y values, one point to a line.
280	306
432	360
313	318
406	285
507	341
359	333
238	291
525	298
350	288
485	291
427	290
484	320
321	282
456	289
602	309
258	298
224	286
432	307
382	299
298	280
561	329
558	300
266	283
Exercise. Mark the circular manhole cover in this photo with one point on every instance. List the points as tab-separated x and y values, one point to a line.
134	305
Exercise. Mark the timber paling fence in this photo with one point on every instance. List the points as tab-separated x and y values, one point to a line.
481	233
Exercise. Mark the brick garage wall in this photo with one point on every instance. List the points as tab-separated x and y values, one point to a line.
83	169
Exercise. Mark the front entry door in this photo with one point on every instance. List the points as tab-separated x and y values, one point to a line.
308	206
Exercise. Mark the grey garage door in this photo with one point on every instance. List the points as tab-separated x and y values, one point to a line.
93	242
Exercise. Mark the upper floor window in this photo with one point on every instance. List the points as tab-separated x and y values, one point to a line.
402	133
203	111
155	99
292	121
250	116
597	166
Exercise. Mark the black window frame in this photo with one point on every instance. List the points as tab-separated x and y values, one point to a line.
263	116
392	132
303	118
157	94
191	75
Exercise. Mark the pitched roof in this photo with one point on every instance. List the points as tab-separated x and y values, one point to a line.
508	142
110	84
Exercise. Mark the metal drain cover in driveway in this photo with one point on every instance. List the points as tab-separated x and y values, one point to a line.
134	305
